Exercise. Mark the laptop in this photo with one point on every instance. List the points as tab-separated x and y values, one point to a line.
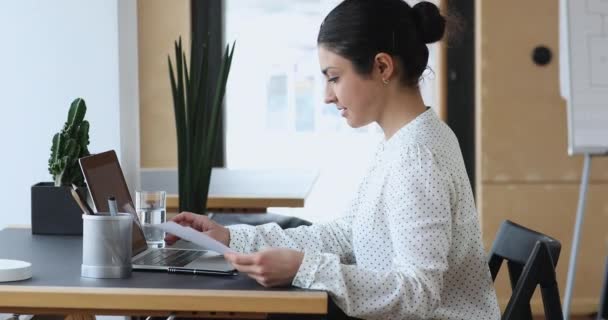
105	178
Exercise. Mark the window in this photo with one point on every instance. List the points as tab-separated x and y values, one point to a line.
276	117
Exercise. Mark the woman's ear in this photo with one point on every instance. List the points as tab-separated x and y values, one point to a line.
384	65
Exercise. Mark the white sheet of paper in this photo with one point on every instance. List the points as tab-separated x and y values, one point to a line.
194	236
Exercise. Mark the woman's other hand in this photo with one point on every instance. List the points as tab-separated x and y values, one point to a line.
201	223
271	267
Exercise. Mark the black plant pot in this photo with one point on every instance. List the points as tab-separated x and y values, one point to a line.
54	211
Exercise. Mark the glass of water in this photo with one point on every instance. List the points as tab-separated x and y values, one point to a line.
151	209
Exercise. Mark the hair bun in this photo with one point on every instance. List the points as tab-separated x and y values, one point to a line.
430	22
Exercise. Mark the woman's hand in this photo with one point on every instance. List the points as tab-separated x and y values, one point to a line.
202	224
271	267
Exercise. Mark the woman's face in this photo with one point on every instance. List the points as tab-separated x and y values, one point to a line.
357	97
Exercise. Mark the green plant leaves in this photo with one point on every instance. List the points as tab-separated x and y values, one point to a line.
68	145
196	120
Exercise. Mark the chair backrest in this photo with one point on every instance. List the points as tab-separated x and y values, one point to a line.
603	312
531	259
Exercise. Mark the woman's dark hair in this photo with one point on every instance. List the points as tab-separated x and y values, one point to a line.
359	29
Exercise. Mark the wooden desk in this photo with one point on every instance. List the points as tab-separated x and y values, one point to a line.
57	288
254	190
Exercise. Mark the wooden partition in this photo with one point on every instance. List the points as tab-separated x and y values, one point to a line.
160	23
523	170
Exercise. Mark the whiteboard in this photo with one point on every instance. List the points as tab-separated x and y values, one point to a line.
584	73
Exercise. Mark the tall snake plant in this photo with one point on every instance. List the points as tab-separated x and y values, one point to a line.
196	122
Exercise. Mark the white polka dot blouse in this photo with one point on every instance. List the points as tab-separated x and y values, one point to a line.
408	246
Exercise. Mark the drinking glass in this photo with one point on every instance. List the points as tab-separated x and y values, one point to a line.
151	209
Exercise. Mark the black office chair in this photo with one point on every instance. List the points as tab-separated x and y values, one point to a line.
603	312
531	259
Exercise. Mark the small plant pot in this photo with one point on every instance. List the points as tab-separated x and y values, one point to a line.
54	211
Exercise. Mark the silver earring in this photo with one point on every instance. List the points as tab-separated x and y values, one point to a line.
385	81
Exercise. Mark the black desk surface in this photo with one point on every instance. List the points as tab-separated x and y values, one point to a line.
56	286
56	262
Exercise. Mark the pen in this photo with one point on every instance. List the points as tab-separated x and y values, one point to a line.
83	200
202	272
78	200
112	206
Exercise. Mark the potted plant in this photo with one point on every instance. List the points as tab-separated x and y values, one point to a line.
54	210
197	106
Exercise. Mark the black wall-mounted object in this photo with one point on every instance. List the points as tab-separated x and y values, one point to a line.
461	83
208	17
54	211
541	55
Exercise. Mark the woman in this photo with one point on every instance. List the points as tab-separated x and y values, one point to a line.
409	245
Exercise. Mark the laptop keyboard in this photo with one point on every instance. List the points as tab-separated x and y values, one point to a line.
168	257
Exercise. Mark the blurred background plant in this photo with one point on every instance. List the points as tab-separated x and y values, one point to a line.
197	103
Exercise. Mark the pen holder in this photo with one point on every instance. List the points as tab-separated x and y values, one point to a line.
106	245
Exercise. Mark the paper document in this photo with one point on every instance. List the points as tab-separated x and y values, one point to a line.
194	236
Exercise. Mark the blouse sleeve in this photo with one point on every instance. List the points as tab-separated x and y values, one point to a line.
417	196
334	237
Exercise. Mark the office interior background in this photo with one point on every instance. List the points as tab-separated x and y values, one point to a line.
505	108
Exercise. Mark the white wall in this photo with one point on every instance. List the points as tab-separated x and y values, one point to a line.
53	52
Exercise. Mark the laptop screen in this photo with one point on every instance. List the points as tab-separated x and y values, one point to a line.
104	178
